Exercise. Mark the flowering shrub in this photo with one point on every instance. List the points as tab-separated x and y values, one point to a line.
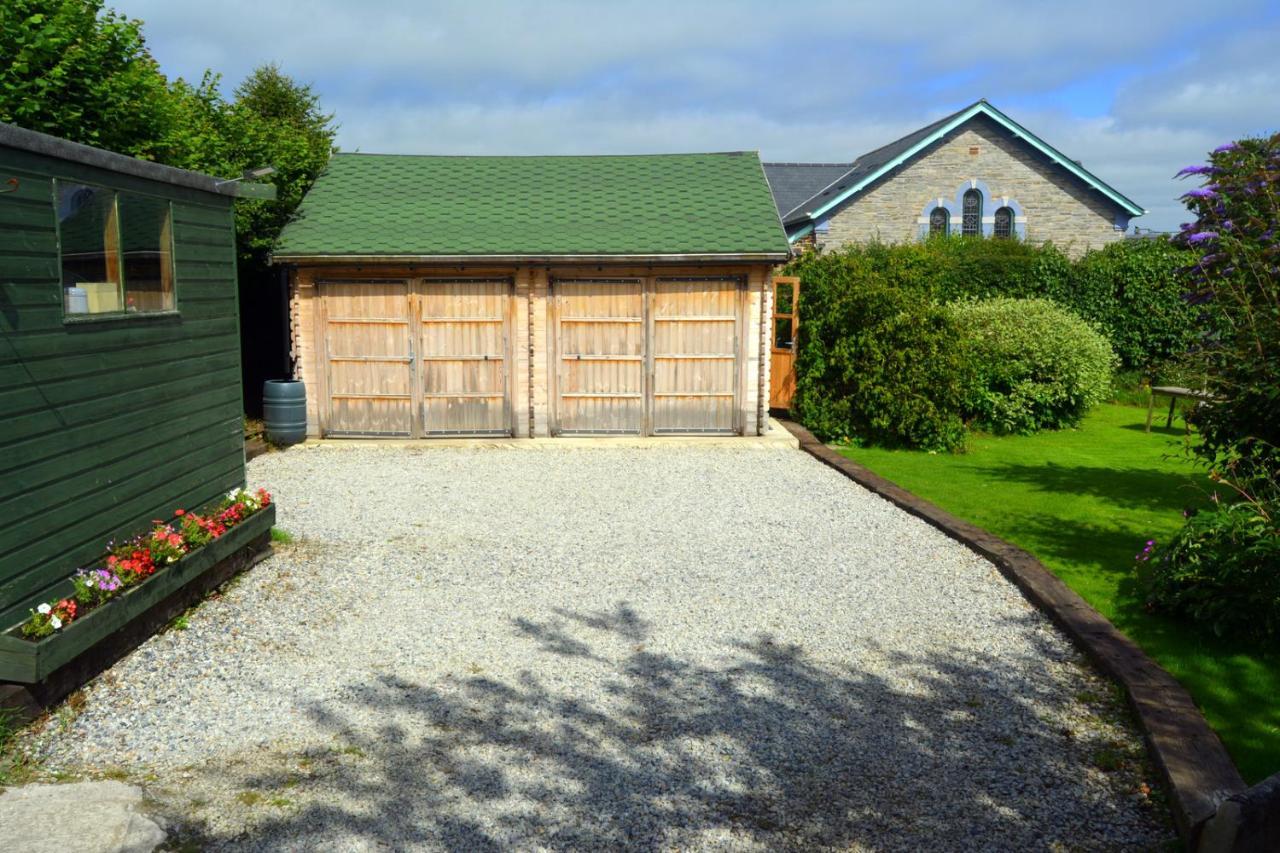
1223	567
129	563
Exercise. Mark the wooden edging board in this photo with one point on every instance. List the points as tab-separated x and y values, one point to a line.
1197	770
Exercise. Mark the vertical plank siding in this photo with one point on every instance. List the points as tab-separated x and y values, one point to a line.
537	350
106	424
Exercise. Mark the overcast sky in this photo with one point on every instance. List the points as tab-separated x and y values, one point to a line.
1134	89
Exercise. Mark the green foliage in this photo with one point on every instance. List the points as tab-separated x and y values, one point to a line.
75	70
1036	365
1130	289
1222	568
1237	274
879	363
1133	291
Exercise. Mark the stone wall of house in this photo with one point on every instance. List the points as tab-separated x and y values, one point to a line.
1057	207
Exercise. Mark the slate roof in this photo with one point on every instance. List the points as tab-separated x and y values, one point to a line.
641	205
793	183
870	165
865	165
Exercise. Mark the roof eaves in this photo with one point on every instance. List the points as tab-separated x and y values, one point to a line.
64	149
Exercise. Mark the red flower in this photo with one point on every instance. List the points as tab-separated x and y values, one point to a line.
179	512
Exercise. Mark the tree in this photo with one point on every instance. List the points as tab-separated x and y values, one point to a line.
278	122
72	69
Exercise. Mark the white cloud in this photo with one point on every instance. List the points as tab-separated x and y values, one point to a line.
826	80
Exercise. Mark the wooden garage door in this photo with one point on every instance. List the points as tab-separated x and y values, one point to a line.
464	328
370	384
694	344
600	349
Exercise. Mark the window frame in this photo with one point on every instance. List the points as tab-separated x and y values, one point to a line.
1007	211
946	222
965	222
124	313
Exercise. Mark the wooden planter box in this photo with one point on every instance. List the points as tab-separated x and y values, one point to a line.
28	663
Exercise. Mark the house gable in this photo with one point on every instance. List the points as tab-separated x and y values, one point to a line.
997	132
1047	204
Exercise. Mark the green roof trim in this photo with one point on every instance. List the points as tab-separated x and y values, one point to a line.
423	206
1018	131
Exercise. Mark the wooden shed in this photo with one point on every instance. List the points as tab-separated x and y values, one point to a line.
120	394
534	296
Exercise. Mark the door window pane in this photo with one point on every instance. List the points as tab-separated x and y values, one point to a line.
784	298
90	247
148	263
782	336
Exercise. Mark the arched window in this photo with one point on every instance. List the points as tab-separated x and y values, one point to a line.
1004	222
971	225
939	219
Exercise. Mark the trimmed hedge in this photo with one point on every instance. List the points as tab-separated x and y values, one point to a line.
1129	289
879	364
1036	364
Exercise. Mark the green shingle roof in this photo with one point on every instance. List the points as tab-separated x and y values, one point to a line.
663	204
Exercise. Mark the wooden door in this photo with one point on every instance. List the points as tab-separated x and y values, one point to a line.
464	329
694	342
786	322
370	358
600	352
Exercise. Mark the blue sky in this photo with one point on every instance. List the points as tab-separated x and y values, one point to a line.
1135	90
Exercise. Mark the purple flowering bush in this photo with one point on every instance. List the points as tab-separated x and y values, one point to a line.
1224	565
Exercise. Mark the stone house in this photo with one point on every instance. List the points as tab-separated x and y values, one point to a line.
974	172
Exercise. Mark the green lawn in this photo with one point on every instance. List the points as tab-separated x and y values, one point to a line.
1084	501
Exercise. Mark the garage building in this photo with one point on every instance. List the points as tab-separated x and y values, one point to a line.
534	296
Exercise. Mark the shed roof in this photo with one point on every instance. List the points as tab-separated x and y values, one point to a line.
22	139
405	206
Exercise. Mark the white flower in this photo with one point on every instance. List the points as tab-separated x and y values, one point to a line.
44	608
56	623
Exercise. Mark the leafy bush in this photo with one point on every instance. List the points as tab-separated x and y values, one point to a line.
1036	365
1222	568
1133	291
878	363
1130	289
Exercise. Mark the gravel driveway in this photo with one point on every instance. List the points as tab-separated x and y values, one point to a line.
597	648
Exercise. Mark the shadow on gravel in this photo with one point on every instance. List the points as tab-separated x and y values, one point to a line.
763	749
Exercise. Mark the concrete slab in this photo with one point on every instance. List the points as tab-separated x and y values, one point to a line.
81	817
775	438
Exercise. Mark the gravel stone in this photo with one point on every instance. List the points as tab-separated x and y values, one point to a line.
702	648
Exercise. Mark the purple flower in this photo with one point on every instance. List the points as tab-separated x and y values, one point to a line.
1196	170
1202	237
1223	149
1202	192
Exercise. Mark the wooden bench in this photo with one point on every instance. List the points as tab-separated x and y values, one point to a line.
1174	393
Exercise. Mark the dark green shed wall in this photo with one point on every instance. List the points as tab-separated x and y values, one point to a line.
107	424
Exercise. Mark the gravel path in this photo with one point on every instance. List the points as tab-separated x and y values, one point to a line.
598	648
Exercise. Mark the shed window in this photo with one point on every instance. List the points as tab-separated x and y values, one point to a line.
116	248
90	244
939	220
146	240
1004	222
971	225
